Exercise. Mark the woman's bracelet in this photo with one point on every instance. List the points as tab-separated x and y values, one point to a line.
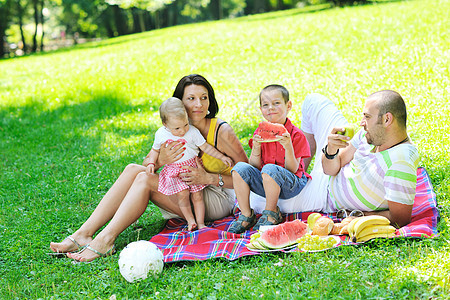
151	164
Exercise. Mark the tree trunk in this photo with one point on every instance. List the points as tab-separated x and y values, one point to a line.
121	25
2	33
280	5
20	10
106	18
141	20
156	17
259	6
216	9
5	16
42	24
36	24
172	12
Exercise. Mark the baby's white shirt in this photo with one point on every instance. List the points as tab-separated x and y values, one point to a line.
193	139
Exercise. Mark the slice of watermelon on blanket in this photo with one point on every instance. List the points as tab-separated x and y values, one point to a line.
269	131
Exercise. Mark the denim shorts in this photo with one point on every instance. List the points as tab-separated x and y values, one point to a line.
290	184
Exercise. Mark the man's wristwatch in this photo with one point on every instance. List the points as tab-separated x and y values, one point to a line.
328	156
221	180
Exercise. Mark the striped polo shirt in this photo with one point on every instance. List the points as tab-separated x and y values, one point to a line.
370	180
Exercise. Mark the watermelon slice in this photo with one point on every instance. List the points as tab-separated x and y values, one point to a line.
268	131
283	235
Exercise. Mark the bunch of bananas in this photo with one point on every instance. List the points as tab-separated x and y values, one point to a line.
362	229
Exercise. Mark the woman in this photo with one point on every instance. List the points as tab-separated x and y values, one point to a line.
128	198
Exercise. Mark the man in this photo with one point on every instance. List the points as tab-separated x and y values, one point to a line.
374	172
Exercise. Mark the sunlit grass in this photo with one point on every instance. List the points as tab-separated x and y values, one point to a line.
71	120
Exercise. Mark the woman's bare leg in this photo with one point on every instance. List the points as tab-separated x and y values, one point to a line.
104	211
129	210
199	208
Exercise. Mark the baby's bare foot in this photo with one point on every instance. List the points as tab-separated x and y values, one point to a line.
201	225
192	226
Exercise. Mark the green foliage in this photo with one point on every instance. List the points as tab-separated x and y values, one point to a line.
149	5
71	120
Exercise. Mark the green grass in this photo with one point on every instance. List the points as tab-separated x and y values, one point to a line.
71	121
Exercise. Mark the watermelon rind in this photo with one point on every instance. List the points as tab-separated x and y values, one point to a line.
279	232
268	245
257	245
270	141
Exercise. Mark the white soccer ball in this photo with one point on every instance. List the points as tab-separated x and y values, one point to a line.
139	259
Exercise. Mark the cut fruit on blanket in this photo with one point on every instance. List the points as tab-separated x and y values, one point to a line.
269	131
279	236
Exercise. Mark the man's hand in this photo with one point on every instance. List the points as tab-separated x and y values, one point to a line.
337	141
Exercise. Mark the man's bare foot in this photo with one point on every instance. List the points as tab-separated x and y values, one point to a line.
92	251
70	244
192	226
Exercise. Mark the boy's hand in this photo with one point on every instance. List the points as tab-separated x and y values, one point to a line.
285	140
228	161
257	140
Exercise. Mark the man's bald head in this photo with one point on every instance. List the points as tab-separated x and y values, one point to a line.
392	102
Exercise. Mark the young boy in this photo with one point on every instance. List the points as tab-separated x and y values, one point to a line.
276	169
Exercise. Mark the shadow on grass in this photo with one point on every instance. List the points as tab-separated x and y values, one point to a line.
55	169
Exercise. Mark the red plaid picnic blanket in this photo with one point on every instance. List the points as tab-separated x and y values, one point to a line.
178	244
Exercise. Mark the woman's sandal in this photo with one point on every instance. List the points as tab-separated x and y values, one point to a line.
236	226
63	254
264	219
107	253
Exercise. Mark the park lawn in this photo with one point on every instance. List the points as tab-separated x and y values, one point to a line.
71	120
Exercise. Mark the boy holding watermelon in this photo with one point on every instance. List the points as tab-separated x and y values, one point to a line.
276	169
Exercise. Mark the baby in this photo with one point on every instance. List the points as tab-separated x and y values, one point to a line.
176	128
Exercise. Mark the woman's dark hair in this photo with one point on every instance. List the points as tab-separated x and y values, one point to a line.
198	80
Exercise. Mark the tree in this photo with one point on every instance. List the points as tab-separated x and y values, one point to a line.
152	6
36	24
5	9
21	7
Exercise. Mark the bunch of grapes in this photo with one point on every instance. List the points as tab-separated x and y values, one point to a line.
310	242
